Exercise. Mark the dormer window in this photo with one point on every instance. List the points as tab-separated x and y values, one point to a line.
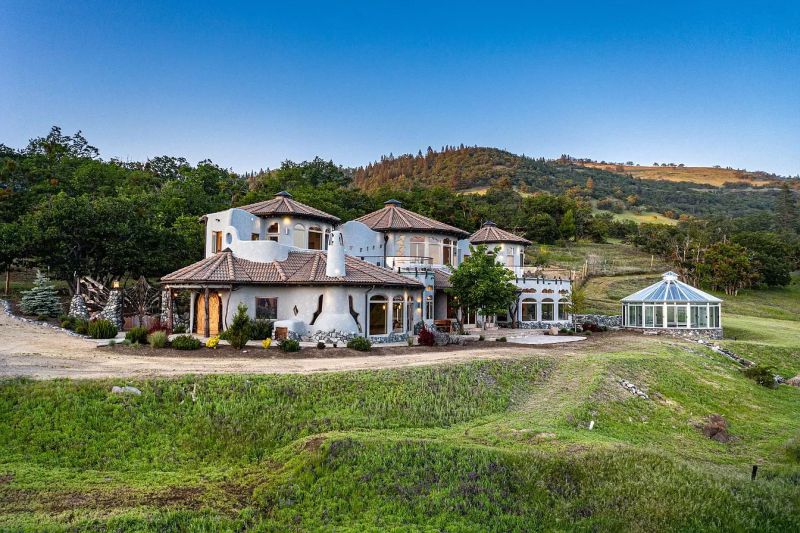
216	241
273	232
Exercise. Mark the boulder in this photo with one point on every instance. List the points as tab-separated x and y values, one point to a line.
794	382
126	390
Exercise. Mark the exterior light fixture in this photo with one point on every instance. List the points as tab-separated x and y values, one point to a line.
115	284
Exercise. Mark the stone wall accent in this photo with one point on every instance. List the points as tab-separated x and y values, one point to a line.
5	305
178	320
332	336
391	337
684	333
608	321
113	309
77	307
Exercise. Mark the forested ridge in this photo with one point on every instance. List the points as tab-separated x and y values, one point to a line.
64	209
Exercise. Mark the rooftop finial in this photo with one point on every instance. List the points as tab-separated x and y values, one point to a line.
669	276
393	203
489	223
283	194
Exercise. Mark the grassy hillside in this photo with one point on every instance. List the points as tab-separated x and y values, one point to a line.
472	169
716	177
496	446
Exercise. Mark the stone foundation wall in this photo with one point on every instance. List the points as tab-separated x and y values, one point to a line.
608	321
681	332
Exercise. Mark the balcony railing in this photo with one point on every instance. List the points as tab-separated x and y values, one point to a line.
399	261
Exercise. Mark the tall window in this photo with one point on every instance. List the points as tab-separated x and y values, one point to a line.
216	241
273	232
315	238
327	239
418	246
548	309
447	252
435	251
528	311
299	237
254	236
378	315
699	317
429	307
267	308
562	309
397	314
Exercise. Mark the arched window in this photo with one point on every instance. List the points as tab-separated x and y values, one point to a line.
528	310
397	314
273	232
562	309
299	237
548	309
315	238
378	315
447	252
417	246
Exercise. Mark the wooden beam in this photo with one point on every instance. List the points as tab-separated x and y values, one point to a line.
170	318
207	325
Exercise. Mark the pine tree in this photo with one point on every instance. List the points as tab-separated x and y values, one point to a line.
42	299
786	214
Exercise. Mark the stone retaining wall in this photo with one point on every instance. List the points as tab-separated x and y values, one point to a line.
681	332
607	321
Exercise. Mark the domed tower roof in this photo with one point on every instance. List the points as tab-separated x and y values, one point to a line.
393	217
284	205
491	234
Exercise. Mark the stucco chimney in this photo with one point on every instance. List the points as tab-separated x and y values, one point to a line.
335	262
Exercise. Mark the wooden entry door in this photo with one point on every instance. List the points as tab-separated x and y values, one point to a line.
214	314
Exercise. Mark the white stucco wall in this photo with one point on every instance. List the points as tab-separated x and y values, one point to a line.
238	226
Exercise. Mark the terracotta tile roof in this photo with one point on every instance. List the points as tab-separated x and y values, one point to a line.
395	218
490	233
299	268
441	278
283	204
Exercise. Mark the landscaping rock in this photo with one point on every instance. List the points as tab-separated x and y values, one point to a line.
633	389
126	390
716	428
794	382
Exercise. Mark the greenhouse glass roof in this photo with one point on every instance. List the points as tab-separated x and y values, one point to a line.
669	289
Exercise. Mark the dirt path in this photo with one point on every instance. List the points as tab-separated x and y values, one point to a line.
39	352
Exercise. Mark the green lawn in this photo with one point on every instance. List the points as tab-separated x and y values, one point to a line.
497	446
608	259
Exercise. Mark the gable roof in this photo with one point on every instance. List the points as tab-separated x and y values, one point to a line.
669	289
395	218
283	204
441	278
490	233
299	268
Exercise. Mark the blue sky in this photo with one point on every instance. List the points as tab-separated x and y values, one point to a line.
249	85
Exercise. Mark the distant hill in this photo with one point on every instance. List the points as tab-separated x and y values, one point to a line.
715	176
680	190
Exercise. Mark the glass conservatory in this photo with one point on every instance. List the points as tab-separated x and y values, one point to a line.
671	304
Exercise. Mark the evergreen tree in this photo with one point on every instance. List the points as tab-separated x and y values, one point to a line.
786	214
239	332
42	299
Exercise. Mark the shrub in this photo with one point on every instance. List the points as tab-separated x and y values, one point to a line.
320	345
763	375
185	342
501	339
260	329
361	344
481	338
239	332
102	329
81	327
426	337
591	326
67	322
158	339
179	329
136	335
266	343
290	345
212	342
42	318
410	340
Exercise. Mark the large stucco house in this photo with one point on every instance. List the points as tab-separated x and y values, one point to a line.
376	276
